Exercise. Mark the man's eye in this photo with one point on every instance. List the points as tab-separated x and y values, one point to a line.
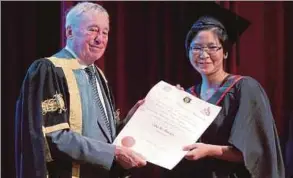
93	29
196	47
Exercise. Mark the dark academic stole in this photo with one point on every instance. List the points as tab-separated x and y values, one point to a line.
224	88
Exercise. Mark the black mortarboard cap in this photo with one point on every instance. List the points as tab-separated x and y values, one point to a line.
234	24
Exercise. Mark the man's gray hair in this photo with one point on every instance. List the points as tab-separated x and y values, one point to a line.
80	8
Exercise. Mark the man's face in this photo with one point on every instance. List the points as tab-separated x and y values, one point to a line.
90	37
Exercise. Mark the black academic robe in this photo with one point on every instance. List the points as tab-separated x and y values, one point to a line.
245	122
44	106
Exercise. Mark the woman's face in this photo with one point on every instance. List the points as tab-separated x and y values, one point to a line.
206	53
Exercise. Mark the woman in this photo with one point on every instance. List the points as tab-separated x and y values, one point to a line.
242	141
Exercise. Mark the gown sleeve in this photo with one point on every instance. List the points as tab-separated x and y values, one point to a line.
254	132
40	108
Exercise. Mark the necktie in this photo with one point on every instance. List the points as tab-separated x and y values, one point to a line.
92	73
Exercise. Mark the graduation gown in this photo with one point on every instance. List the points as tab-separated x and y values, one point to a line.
50	106
244	122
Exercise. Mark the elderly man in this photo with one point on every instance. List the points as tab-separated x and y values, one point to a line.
65	115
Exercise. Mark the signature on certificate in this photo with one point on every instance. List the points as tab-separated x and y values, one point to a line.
166	131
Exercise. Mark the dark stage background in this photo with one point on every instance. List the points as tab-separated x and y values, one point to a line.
146	45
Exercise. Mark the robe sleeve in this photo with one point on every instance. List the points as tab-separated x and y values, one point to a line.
83	149
38	112
254	132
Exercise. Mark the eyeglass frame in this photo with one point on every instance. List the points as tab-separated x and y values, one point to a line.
210	49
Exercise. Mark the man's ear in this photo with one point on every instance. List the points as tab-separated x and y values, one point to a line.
226	55
69	32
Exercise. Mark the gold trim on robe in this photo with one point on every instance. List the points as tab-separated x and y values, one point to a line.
75	115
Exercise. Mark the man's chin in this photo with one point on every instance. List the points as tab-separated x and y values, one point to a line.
93	60
96	56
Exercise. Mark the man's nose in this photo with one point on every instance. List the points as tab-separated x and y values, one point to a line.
99	38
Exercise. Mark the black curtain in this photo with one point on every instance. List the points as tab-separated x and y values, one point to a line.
29	30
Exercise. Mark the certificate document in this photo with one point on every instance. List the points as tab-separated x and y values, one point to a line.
168	120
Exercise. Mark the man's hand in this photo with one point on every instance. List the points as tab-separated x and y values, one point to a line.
128	158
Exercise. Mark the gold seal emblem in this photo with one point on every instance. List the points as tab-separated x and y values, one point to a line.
186	99
54	104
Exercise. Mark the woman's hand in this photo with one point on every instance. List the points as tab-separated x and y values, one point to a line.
179	87
198	150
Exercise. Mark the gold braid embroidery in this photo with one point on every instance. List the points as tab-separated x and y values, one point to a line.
53	104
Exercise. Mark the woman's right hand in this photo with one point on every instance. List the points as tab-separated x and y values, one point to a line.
179	87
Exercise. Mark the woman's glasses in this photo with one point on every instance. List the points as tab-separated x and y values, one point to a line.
209	49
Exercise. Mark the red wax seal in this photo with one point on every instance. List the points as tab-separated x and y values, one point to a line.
128	141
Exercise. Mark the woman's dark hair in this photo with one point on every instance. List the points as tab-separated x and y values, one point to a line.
208	23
